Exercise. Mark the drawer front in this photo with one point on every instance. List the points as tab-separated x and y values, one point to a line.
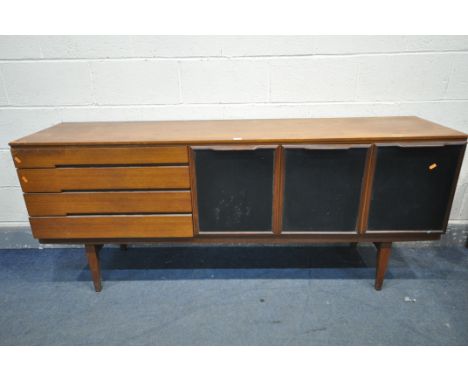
54	157
108	227
104	178
413	187
74	203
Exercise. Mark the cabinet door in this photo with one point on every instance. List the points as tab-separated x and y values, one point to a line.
412	187
322	188
234	189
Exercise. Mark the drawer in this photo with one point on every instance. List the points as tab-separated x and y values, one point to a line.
108	227
56	157
74	203
104	178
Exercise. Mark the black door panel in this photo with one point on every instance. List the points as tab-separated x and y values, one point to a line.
322	188
234	189
412	187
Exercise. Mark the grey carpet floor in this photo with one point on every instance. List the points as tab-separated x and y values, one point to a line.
234	295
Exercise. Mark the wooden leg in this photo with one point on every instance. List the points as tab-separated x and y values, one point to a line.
92	253
383	255
123	247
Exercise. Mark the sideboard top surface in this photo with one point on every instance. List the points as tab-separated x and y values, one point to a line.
260	131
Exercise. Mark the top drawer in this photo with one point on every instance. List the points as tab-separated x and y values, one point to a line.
75	156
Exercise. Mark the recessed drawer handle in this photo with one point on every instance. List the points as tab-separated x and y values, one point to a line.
415	145
234	148
327	147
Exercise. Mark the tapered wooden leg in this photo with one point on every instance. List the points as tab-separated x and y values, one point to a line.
383	255
123	247
92	253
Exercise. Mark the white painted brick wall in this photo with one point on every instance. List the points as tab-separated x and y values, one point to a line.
3	94
403	77
18	47
9	177
48	79
135	82
458	85
47	83
12	206
224	81
267	46
177	46
63	47
313	79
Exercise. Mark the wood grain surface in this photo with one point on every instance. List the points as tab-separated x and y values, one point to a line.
143	226
73	203
104	178
59	156
337	130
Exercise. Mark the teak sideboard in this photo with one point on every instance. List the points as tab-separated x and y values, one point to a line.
263	181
